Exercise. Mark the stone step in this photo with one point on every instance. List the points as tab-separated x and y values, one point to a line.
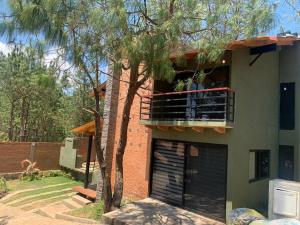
32	204
81	200
37	195
91	194
52	210
12	194
74	219
71	204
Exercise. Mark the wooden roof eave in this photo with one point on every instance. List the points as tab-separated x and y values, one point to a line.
87	129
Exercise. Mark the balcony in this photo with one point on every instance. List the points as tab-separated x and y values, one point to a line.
196	109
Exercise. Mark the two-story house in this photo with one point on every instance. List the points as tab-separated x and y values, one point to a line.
214	146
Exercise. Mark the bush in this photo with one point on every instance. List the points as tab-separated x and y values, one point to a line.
98	210
31	172
3	187
59	173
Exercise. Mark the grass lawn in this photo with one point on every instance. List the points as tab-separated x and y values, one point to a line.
60	187
92	211
17	185
34	198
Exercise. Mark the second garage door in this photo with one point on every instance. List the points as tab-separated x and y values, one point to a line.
191	175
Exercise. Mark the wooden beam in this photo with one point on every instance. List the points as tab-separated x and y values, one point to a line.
220	130
150	126
180	129
163	128
198	129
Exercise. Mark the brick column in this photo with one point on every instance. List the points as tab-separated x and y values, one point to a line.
109	122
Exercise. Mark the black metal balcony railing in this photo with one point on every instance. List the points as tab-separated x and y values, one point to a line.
216	104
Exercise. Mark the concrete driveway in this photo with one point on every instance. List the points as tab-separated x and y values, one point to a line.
15	216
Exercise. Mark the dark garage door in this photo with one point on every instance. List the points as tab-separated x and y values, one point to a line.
191	175
168	172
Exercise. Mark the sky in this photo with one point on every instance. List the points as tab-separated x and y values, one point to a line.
284	19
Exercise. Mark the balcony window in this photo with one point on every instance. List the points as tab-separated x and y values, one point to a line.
198	105
206	104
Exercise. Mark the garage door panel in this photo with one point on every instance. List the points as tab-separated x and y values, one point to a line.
190	175
168	171
206	175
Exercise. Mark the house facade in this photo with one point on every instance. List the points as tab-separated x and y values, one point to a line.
214	147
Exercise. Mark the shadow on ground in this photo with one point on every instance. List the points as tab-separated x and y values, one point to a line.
150	211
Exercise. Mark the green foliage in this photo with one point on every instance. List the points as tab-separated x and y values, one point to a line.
3	186
180	85
92	211
59	173
34	104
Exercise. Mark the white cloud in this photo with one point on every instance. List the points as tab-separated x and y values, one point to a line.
55	55
52	55
5	48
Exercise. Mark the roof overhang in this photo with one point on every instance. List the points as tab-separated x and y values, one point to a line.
262	41
101	89
190	53
87	129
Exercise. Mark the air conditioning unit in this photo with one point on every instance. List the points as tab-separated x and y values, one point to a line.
284	199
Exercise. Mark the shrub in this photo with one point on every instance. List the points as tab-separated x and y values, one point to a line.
31	172
59	173
3	187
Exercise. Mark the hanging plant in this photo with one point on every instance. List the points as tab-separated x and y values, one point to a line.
200	77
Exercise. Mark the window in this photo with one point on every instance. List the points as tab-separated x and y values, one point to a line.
287	106
259	164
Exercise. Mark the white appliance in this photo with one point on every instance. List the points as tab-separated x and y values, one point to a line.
284	199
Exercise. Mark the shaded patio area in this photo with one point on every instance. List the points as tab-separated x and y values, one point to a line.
151	211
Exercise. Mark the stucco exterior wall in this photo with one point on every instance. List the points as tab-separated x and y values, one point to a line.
255	127
290	72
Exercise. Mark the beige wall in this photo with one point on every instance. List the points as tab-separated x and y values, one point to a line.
290	72
256	126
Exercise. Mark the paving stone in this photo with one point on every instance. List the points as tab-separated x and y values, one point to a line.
16	216
150	211
53	209
81	200
71	204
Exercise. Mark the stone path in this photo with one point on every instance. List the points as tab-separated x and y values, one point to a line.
153	212
15	216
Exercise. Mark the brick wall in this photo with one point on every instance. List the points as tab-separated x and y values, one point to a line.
137	153
45	154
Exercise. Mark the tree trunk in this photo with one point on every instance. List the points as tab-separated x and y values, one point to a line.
118	188
11	121
107	195
22	120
